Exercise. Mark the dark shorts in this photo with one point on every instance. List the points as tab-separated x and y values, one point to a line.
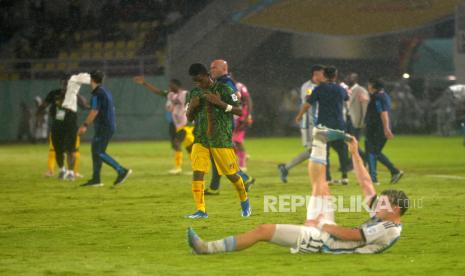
64	133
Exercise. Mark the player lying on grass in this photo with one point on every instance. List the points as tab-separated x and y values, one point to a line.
320	233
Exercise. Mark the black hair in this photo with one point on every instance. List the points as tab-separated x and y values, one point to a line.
317	67
197	69
397	198
376	83
176	82
330	72
65	77
97	76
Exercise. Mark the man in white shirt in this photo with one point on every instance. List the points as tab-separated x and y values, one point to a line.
357	108
320	234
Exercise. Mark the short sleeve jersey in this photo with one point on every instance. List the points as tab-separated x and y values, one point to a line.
379	102
330	98
102	101
213	125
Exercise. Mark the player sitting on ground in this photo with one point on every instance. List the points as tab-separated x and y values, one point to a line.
320	233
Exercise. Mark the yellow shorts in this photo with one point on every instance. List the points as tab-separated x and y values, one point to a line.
186	135
225	159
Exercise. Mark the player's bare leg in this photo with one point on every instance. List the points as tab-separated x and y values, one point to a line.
320	201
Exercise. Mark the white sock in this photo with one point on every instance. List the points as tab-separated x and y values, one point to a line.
314	207
225	245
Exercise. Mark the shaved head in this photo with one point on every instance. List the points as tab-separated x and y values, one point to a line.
218	68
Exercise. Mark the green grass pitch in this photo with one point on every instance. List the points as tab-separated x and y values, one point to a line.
58	228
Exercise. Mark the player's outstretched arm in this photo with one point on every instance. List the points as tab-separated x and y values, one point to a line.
361	173
141	80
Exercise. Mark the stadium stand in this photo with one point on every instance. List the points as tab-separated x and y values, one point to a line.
44	43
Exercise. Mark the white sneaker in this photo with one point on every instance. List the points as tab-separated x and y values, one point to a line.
175	171
244	169
70	176
62	175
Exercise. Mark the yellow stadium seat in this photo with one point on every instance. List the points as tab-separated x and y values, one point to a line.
119	54
86	34
50	66
97	54
72	65
86	45
108	54
129	54
98	45
62	55
86	54
120	44
13	76
3	76
109	45
74	55
131	45
61	66
160	57
145	25
38	66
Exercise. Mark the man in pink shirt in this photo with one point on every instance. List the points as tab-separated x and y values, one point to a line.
241	123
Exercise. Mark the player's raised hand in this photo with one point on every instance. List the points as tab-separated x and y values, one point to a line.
139	79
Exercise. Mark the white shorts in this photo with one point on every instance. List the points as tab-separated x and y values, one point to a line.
300	238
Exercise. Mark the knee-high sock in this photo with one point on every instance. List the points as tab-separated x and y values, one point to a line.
242	158
178	159
77	158
111	162
51	160
227	244
197	193
298	159
240	188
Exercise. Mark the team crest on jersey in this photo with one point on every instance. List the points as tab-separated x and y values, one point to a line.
234	97
309	91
